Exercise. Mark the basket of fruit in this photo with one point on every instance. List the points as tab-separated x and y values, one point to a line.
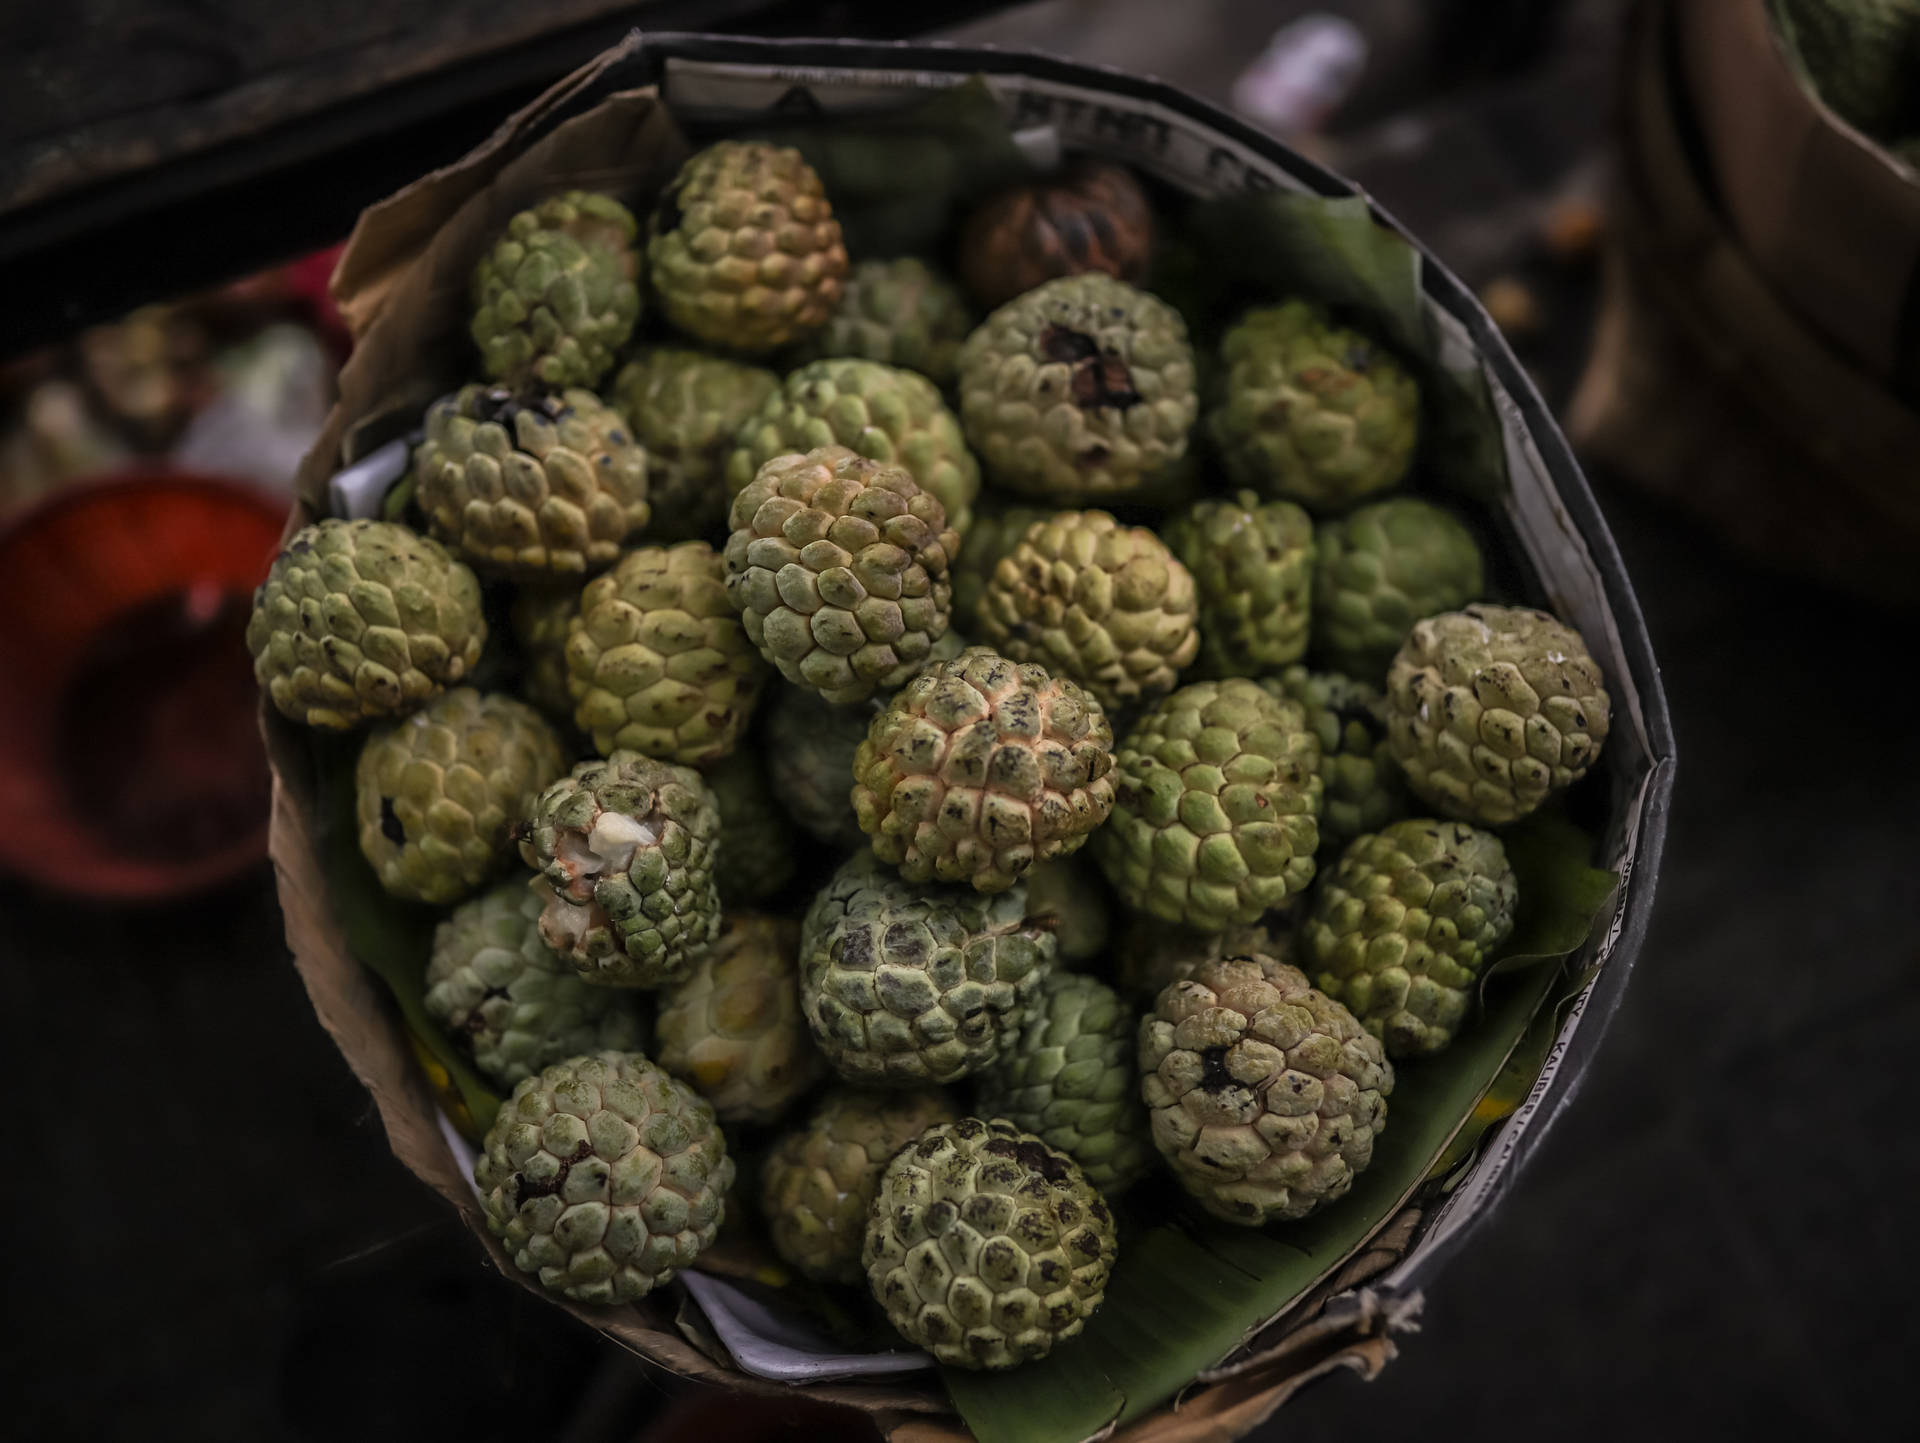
948	732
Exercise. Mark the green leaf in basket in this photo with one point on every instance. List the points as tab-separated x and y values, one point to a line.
389	937
1561	891
1277	244
1186	1292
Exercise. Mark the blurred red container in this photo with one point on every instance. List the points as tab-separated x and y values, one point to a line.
130	760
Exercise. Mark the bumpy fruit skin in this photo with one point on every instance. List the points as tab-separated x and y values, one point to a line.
362	619
1405	923
1067	896
503	996
1148	953
905	985
1364	790
979	768
436	793
987	1247
1217	800
1252	566
810	749
732	1026
818	1183
743	248
838	566
684	407
996	530
756	842
1311	411
530	489
902	312
1071	1079
1105	604
555	298
657	660
1493	709
602	1176
877	411
538	621
1081	390
1382	568
625	848
1265	1095
1093	216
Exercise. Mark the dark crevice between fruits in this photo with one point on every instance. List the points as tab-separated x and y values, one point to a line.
390	827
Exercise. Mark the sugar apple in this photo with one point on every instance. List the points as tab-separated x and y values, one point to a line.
530	488
625	850
1309	410
436	793
818	1183
1149	953
508	1001
1217	800
1402	927
1104	604
657	660
1265	1096
1859	56
1079	391
1364	790
684	407
838	565
996	530
602	1176
904	984
809	753
985	1246
1092	216
875	410
1071	1079
1492	709
756	843
743	248
979	768
902	312
1252	567
1066	896
359	620
732	1027
556	296
538	621
1380	569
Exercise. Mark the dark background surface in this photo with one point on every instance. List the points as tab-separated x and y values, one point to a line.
210	1238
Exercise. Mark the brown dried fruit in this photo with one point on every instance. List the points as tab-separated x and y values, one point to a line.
1091	217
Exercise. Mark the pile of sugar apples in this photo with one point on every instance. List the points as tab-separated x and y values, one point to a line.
965	853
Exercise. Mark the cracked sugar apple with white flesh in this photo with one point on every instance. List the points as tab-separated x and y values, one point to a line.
436	794
987	1247
1265	1095
906	985
1493	709
359	620
508	1001
1079	392
602	1177
625	847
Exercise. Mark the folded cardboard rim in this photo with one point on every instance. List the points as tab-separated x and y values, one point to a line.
403	276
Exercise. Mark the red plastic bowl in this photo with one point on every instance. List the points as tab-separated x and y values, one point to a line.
130	761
